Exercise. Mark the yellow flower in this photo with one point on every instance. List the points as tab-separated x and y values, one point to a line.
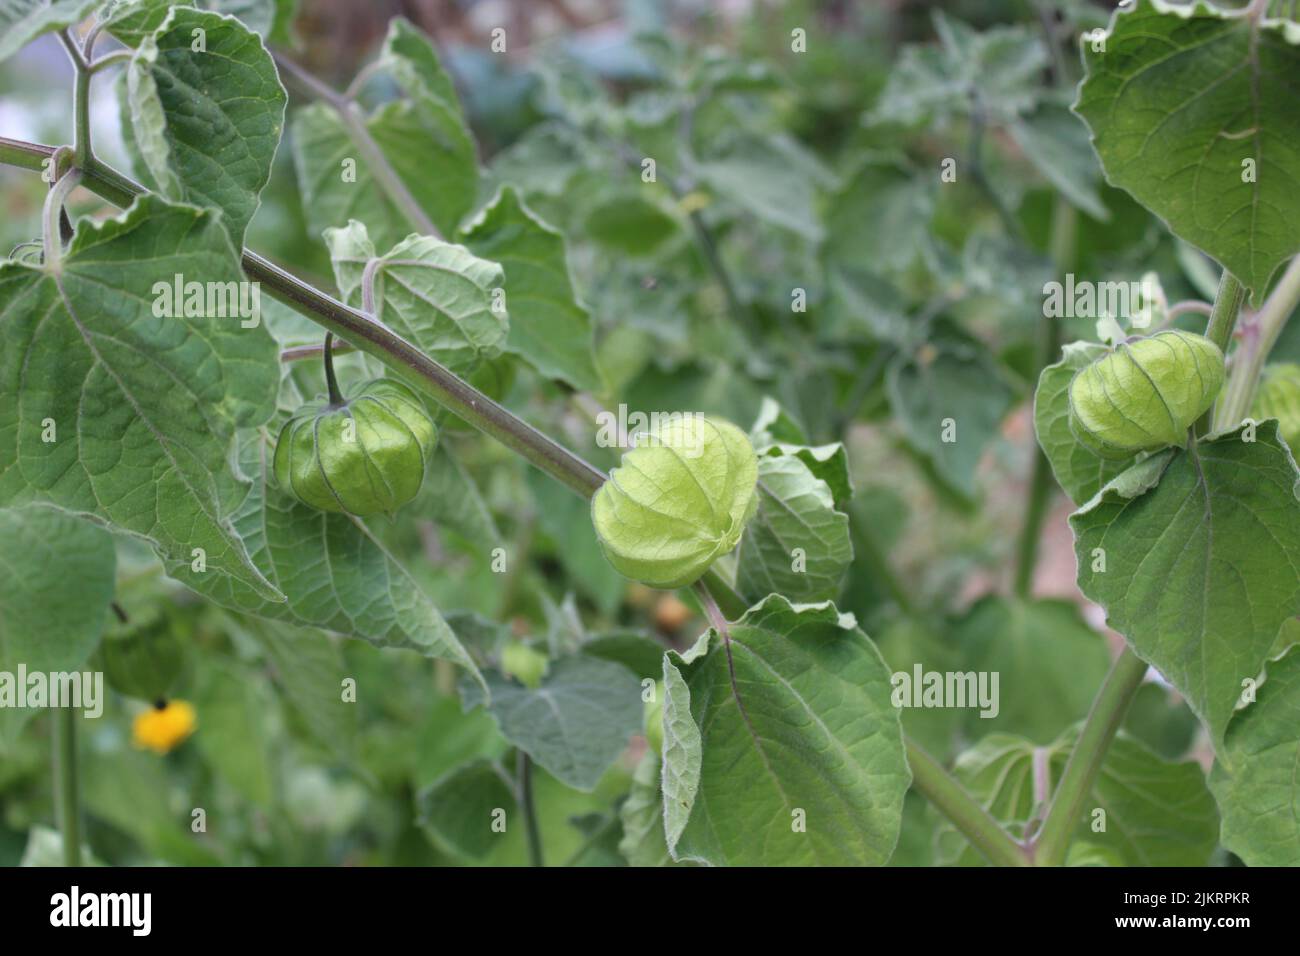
163	726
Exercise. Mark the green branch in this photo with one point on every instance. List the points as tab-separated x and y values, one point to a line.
1108	709
952	799
67	804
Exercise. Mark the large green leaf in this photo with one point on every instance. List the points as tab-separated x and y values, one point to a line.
550	328
413	62
1049	664
950	402
575	724
754	177
800	754
334	571
207	123
1078	470
1057	144
1156	812
997	68
460	810
796	513
434	294
145	405
1184	95
1195	555
22	21
56	582
423	137
1260	797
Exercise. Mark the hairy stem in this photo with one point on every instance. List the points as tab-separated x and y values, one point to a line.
52	218
1108	710
67	804
1259	336
1223	319
952	800
80	99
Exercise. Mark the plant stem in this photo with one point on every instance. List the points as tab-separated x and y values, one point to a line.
51	218
400	356
80	100
951	799
1049	846
1260	335
353	120
1062	244
67	806
524	779
1223	316
331	383
1223	319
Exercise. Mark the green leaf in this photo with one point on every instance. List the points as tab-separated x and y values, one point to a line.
435	295
800	756
310	669
877	221
22	21
452	499
637	651
207	123
1057	144
1080	471
423	137
575	724
1195	555
459	810
1181	97
950	402
796	513
1260	797
1049	664
930	83
334	571
754	177
1156	812
413	62
132	20
56	582
233	736
629	224
145	406
550	329
642	816
450	738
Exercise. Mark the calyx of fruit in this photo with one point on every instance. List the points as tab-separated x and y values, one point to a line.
1145	394
362	455
1279	397
678	501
